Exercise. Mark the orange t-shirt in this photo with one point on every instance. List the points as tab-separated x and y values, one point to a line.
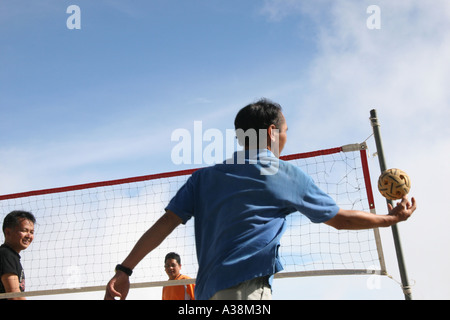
185	292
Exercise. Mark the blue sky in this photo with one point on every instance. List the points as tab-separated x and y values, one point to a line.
101	102
132	67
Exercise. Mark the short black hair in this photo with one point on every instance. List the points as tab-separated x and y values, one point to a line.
258	115
173	255
13	218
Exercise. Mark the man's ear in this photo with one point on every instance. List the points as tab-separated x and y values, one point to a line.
271	133
7	232
272	139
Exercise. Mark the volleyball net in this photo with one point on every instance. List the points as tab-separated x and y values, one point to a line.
83	231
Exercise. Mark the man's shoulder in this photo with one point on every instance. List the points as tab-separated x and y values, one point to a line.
183	277
6	251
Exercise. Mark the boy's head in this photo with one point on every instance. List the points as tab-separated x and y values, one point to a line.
172	265
18	228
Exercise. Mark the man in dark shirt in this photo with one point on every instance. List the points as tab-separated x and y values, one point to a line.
18	228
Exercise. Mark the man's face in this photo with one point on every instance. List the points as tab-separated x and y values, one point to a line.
172	268
21	236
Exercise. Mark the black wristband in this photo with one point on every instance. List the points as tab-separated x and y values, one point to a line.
126	270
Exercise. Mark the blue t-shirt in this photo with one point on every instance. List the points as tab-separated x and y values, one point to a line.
240	215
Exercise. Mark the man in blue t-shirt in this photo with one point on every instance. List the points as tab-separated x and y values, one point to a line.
240	208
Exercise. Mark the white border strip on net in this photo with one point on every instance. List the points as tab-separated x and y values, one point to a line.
95	288
281	275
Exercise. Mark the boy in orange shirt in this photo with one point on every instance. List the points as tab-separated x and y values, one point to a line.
172	265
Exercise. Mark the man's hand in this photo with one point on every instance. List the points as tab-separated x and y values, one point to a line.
118	286
403	210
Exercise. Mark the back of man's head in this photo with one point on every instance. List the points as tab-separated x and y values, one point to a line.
257	116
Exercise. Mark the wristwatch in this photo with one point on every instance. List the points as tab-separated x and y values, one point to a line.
125	270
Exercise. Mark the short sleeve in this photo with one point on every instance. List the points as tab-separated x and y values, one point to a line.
182	204
317	205
8	263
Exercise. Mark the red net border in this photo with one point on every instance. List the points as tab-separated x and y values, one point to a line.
364	163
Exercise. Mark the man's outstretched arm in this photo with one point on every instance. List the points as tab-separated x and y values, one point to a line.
356	220
119	285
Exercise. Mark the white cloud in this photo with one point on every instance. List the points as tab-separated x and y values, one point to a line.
403	71
66	159
277	10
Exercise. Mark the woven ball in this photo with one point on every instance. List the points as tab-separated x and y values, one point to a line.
393	184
